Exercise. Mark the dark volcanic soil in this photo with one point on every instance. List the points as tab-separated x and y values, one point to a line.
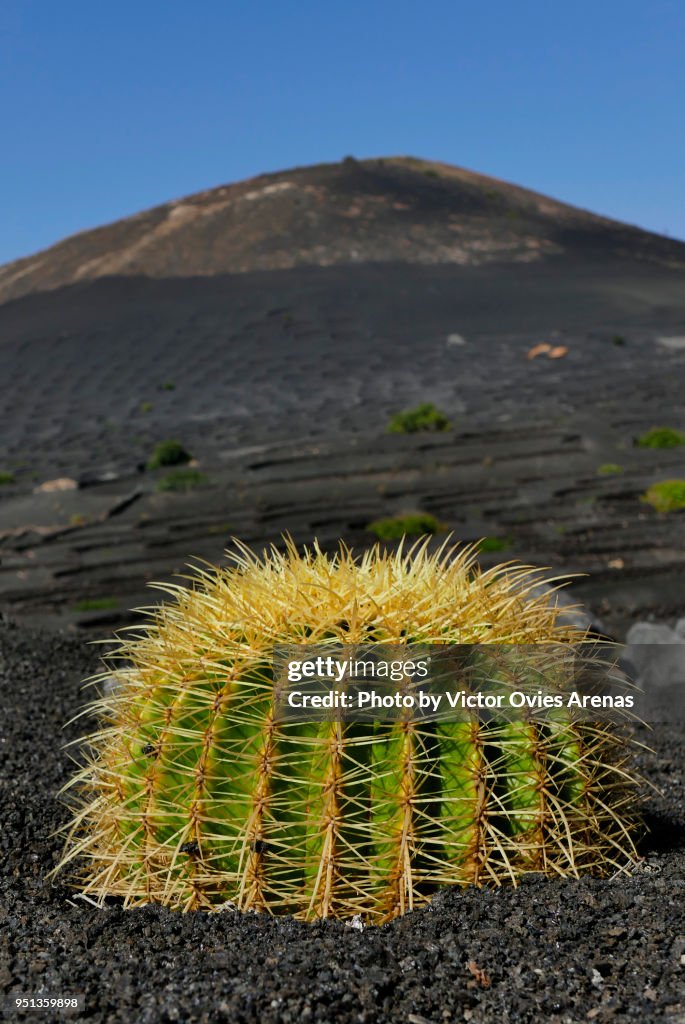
281	385
566	951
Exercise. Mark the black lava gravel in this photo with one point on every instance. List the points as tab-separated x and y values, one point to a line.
565	951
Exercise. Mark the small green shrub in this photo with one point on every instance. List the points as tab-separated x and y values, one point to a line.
396	527
182	480
618	340
6	477
666	496
168	385
146	406
424	417
494	544
96	604
168	453
609	469
661	437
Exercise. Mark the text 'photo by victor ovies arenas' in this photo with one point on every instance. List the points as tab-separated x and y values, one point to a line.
342	513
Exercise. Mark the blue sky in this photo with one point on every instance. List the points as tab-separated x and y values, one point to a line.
108	108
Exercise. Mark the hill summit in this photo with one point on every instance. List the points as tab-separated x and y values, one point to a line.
394	209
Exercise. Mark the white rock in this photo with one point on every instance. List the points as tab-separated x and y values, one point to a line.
675	343
652	633
657	654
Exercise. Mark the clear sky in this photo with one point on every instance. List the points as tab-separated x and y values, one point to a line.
108	108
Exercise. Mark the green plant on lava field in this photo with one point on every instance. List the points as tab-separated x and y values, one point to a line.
168	453
196	794
6	477
417	524
488	544
182	480
425	417
666	496
609	469
661	437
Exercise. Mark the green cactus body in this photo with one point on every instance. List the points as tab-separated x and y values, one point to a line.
196	795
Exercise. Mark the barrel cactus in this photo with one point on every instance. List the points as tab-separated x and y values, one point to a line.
195	795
